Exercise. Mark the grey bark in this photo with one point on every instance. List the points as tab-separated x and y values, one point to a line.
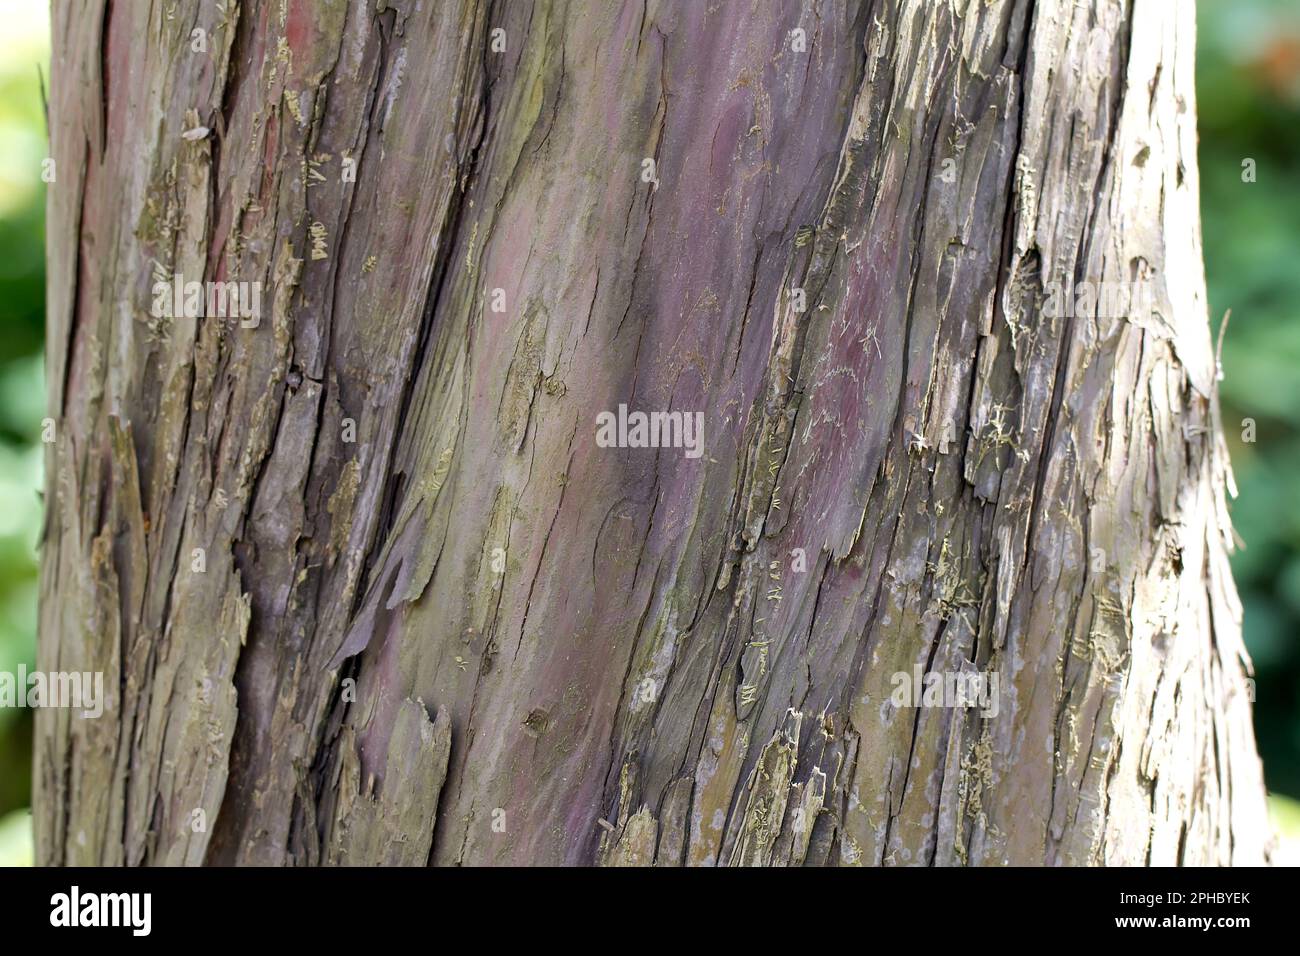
642	673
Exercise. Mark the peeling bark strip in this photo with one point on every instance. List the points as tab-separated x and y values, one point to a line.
373	593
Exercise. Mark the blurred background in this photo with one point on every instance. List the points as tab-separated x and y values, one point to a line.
24	48
1248	95
1248	90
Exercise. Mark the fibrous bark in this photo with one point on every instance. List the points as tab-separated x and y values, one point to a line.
372	592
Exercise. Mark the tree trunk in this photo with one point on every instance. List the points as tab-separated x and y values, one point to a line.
368	587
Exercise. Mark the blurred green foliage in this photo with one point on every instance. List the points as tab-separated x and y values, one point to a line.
1248	91
23	49
1248	97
